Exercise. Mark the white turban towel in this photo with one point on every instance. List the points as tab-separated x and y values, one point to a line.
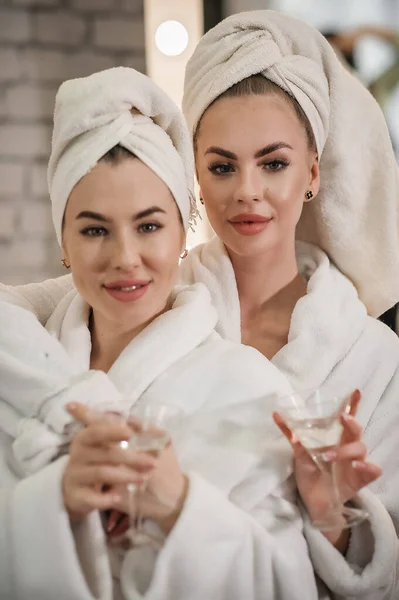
354	218
118	106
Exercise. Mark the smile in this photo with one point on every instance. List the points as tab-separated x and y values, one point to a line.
127	291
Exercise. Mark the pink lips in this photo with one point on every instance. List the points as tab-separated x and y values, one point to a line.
249	223
127	290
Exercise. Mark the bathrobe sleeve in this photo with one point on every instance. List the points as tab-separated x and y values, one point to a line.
39	298
37	380
217	550
370	569
41	557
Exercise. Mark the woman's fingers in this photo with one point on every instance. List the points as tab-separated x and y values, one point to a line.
353	451
103	433
85	500
285	430
115	455
81	412
104	475
352	430
367	472
354	402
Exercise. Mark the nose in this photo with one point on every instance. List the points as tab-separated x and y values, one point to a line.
125	253
250	186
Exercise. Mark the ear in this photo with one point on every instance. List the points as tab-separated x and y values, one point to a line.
184	241
314	177
65	254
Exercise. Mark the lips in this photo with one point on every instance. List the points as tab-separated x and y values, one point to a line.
249	223
127	290
249	218
125	285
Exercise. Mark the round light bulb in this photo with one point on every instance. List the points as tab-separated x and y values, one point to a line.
171	38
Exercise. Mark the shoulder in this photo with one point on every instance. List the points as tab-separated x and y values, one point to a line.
381	337
61	308
39	298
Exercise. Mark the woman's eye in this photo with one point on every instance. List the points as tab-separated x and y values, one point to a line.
149	227
221	169
94	231
276	165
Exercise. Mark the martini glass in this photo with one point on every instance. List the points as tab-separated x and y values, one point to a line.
315	419
152	428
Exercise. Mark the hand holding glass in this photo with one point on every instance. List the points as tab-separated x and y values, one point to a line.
315	420
152	427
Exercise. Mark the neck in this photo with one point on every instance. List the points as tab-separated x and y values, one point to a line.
261	278
269	286
109	339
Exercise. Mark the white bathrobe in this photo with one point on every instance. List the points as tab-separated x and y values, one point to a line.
240	532
332	344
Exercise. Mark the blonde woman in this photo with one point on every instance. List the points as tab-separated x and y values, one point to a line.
264	147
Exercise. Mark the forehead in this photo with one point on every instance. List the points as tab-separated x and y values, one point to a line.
250	122
128	185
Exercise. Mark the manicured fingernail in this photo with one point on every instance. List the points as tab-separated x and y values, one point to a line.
330	455
71	406
347	417
359	465
294	439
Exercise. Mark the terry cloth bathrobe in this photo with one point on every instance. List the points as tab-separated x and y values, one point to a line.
239	535
326	326
352	264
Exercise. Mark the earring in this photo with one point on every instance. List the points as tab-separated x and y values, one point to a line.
202	200
309	194
65	264
184	254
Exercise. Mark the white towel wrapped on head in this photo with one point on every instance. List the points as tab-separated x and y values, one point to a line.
118	106
354	218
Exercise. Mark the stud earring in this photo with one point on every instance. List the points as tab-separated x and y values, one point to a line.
309	194
184	254
65	264
202	200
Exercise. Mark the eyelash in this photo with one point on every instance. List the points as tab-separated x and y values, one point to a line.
281	164
96	231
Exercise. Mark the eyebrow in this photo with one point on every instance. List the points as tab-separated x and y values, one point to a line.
272	148
88	214
263	152
221	152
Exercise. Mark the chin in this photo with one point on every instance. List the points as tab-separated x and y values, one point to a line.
248	246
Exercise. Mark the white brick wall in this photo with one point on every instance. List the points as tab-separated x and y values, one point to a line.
8	213
11	179
27	101
15	26
117	33
61	28
42	43
24	140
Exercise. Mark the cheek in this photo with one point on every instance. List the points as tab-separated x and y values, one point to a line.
165	254
287	192
87	261
217	193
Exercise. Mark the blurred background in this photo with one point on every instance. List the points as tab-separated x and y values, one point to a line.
44	42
